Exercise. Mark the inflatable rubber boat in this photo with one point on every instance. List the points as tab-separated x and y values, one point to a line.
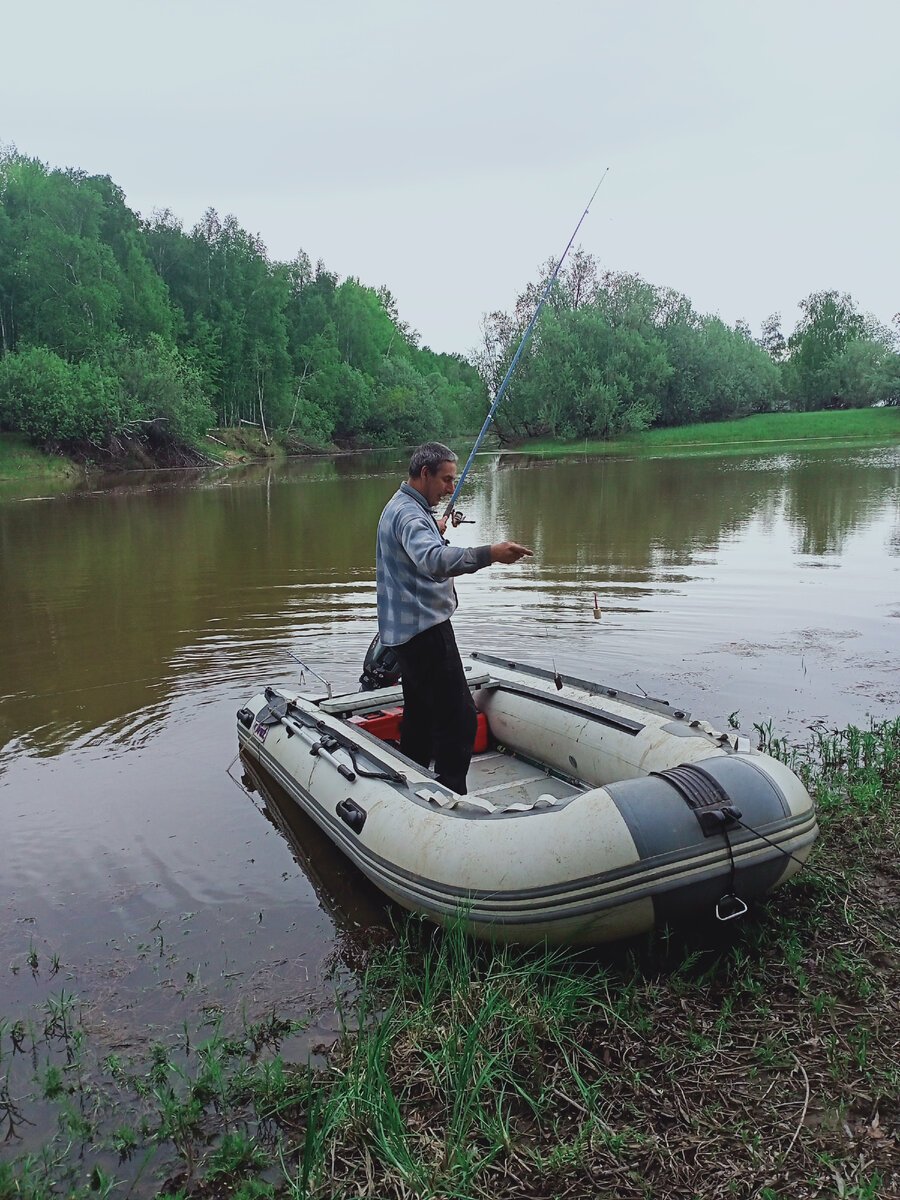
591	814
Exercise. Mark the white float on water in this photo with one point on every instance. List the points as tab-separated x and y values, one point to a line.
591	815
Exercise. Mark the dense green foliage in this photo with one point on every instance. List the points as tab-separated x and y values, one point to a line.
837	354
611	354
116	329
112	327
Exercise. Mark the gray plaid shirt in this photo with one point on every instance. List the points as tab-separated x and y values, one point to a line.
414	568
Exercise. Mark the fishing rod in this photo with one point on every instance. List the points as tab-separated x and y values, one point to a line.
448	511
381	668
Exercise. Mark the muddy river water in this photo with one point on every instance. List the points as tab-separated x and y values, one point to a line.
140	614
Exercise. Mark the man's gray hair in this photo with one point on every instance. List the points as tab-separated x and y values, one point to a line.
430	455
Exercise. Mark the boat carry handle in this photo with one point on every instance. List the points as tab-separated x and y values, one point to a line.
351	814
704	796
730	906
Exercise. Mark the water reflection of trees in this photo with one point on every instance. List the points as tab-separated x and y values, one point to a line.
638	514
115	602
826	503
103	594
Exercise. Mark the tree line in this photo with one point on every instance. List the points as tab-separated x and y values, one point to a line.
612	354
113	328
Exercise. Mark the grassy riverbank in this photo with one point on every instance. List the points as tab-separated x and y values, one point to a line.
757	1058
249	444
766	431
19	459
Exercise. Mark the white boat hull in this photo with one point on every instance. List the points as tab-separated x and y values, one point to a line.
613	814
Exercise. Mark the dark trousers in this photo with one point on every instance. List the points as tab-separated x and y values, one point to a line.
439	716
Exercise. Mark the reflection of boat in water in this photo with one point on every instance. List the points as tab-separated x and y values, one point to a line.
348	897
592	814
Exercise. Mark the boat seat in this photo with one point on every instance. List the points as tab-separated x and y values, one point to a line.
363	702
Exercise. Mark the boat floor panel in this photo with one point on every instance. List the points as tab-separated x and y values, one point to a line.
503	780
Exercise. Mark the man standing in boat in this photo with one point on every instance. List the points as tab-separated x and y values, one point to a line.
415	568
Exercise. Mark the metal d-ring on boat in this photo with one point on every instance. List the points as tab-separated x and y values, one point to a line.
591	814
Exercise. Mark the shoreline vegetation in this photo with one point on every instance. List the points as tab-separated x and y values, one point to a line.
739	436
19	459
755	1059
126	340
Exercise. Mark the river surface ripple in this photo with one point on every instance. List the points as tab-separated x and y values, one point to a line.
141	614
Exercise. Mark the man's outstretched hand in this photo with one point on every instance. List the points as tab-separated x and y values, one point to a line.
509	552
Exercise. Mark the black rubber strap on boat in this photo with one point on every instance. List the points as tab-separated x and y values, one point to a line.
705	796
387	773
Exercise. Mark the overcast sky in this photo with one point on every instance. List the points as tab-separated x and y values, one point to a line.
446	150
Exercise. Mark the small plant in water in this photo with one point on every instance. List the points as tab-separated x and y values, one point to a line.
53	1085
237	1155
124	1141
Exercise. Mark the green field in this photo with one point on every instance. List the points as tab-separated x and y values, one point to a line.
878	425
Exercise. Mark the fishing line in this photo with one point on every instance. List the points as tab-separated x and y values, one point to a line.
512	366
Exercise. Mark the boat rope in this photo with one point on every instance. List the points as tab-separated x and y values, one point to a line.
762	837
824	877
448	511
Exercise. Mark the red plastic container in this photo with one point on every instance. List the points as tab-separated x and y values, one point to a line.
385	724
